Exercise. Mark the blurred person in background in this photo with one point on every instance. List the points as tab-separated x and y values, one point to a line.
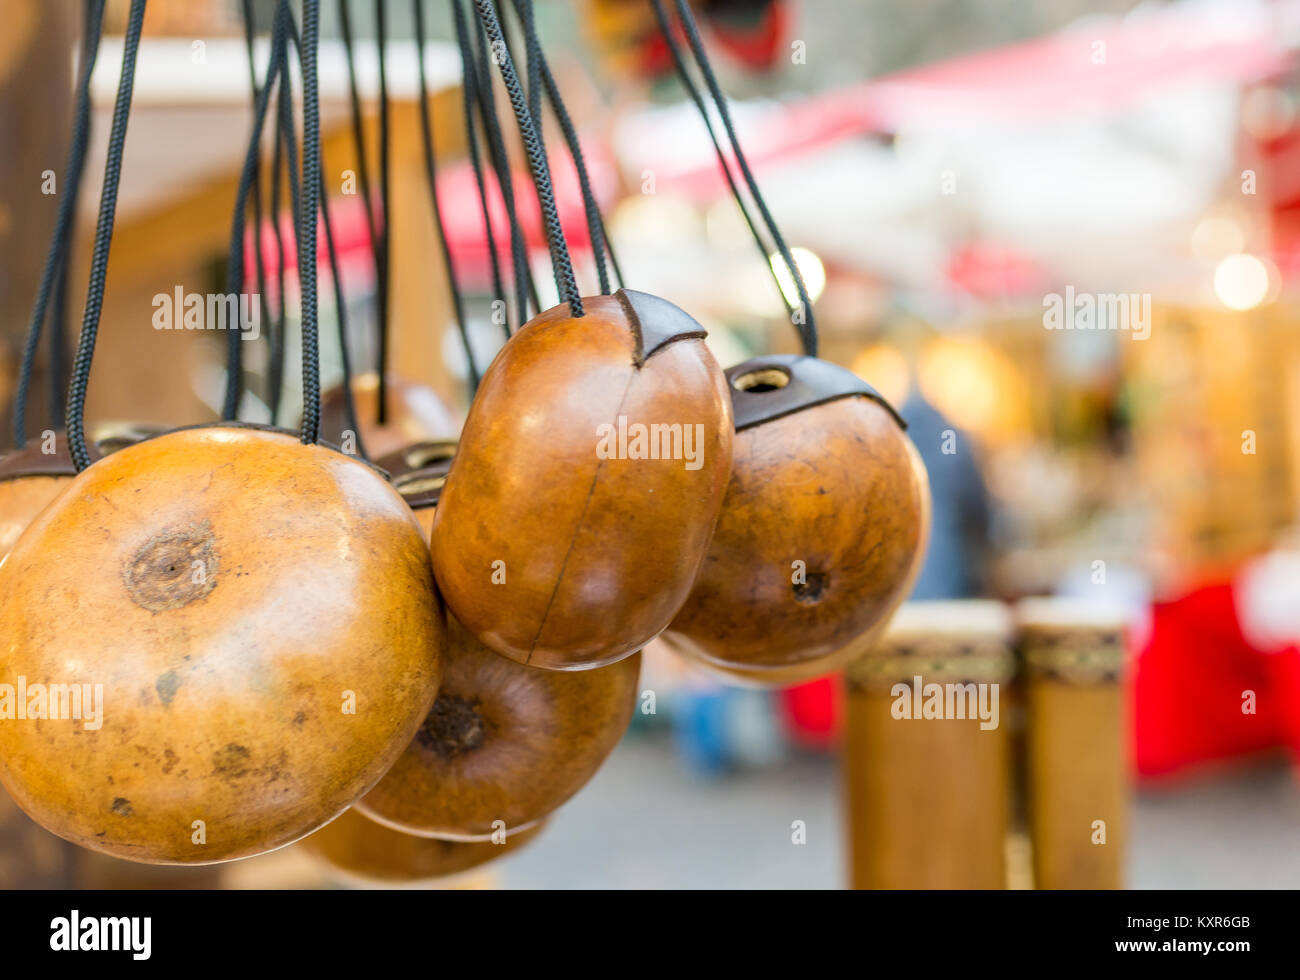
959	531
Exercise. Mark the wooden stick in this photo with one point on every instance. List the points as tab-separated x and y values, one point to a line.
929	797
1077	775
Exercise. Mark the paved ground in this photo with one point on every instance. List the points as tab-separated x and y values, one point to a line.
645	822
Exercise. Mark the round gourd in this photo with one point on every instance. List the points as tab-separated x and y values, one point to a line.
30	478
587	484
504	744
822	532
362	852
255	619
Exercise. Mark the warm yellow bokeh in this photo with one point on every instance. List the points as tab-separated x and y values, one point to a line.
975	386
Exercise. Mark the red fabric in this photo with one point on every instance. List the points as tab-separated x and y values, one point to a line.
1187	690
1189	685
1284	671
462	217
1045	77
812	712
754	45
990	270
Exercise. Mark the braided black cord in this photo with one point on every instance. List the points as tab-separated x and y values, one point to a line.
381	22
808	329
311	194
58	351
692	90
525	288
534	110
275	336
248	186
103	240
235	257
532	69
496	126
469	100
363	177
263	308
595	223
431	174
561	262
340	301
56	258
289	140
285	121
285	130
58	346
359	134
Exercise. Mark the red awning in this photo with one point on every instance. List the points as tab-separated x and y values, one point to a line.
463	216
1082	70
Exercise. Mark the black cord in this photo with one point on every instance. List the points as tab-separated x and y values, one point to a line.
808	327
285	130
372	231
288	139
532	70
698	99
311	194
431	174
340	301
483	55
248	180
263	307
381	21
57	256
359	134
470	101
286	156
234	355
522	247
57	352
537	63
561	262
275	336
103	240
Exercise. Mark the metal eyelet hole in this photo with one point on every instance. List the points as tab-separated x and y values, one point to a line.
112	436
417	483
762	379
426	454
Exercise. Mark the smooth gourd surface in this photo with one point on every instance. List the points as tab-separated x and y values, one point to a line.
548	551
821	536
261	618
362	851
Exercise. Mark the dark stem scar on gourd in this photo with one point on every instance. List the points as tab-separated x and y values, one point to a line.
161	574
454	725
812	589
